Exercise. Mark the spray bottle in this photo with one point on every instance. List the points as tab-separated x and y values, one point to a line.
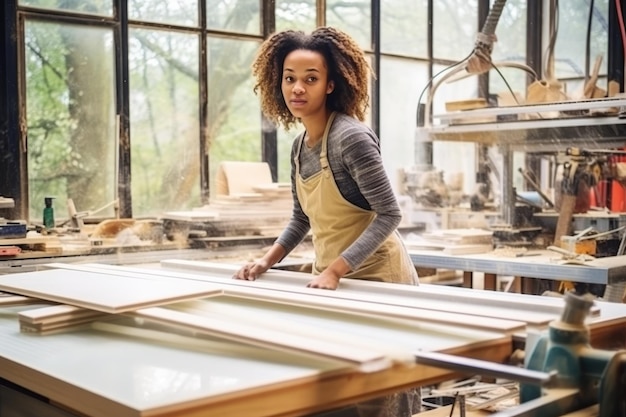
48	213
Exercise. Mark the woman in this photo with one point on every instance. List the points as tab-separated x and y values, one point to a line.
341	191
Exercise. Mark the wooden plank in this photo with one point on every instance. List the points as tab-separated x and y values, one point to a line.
271	331
325	300
366	309
536	311
470	303
56	318
467	249
364	359
56	313
53	328
30	241
341	327
478	306
7	300
104	292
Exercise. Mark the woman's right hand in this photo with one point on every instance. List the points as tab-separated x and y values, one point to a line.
252	270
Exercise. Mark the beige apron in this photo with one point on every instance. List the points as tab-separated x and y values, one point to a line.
336	223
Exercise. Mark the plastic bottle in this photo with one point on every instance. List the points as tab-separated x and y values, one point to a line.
48	213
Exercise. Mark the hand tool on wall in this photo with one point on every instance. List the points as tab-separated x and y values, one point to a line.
580	172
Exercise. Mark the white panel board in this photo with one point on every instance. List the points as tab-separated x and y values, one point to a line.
104	292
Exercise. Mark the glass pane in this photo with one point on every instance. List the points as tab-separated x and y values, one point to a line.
353	17
404	27
569	53
234	114
295	14
164	118
180	12
400	84
70	110
454	28
285	142
510	48
242	16
99	7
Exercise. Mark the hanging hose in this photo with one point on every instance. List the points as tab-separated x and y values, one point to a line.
481	60
489	28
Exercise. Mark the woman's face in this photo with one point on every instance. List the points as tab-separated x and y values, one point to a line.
305	83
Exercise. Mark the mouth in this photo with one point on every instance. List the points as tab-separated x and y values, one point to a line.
297	103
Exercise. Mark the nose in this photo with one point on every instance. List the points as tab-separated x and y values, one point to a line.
298	88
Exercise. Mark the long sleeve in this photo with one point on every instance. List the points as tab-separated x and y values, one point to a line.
356	164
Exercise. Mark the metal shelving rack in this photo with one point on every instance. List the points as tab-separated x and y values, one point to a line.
546	127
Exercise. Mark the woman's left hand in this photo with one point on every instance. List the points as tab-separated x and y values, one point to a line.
326	280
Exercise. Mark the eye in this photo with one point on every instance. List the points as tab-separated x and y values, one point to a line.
311	79
288	78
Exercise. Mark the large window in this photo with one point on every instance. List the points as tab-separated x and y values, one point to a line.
164	116
404	28
243	16
181	12
104	7
572	43
171	94
353	17
296	15
70	113
234	116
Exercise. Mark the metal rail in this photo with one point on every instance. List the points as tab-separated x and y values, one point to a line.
480	367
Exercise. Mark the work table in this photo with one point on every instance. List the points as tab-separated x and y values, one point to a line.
113	367
543	264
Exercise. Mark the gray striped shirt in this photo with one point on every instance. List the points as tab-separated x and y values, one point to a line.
356	163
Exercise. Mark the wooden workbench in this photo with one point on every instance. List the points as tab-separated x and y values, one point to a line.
97	372
544	265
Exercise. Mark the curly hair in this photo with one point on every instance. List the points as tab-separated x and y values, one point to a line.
347	67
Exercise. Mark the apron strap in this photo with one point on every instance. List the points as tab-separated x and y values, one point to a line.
324	153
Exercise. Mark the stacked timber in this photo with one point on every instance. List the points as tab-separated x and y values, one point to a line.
46	245
262	213
454	241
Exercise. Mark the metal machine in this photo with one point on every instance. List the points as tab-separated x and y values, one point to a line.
585	376
562	374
